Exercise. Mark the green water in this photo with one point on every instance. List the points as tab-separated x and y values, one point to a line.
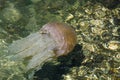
96	23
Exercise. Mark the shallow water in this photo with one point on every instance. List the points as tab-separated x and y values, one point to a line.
96	24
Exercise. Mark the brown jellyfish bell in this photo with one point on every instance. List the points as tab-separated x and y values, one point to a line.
52	40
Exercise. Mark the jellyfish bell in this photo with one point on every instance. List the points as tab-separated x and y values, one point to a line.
63	34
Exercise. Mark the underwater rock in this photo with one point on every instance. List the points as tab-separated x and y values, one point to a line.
11	14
